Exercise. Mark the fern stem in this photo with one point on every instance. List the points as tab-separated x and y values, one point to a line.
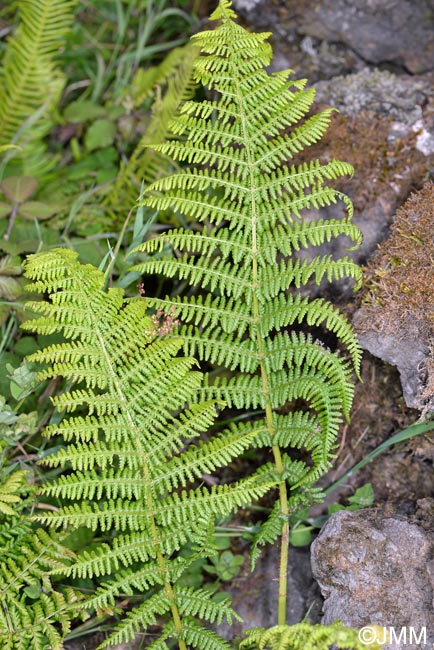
283	496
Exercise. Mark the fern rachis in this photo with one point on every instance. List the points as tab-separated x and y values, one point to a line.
243	263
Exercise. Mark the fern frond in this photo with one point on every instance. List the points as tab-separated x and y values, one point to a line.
197	636
9	492
141	617
33	614
31	83
205	457
270	531
130	440
244	265
196	602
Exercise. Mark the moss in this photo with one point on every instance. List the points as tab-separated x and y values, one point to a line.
400	280
386	166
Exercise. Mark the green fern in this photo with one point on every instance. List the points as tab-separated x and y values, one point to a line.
9	491
30	82
34	615
304	635
243	263
125	429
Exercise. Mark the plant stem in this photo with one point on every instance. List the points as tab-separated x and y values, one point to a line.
283	498
11	221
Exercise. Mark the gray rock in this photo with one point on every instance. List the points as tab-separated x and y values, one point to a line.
408	353
246	5
375	569
393	31
398	97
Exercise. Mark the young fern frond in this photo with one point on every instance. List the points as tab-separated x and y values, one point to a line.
31	83
241	183
125	431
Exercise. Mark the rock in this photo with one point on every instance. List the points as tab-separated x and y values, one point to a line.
395	321
425	138
401	98
407	353
375	569
387	166
393	31
337	36
255	594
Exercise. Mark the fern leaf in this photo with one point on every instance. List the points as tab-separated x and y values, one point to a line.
197	636
31	83
242	184
33	615
270	531
126	420
196	602
141	617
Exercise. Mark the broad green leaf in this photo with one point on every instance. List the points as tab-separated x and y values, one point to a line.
18	188
5	209
83	111
10	288
99	135
37	210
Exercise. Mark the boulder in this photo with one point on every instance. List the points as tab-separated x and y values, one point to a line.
393	33
375	569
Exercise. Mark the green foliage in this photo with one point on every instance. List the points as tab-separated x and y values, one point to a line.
363	497
302	636
8	491
34	615
127	445
226	566
125	36
167	85
31	82
126	420
243	263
